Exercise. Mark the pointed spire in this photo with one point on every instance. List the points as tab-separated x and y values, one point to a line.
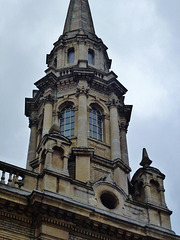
146	162
79	17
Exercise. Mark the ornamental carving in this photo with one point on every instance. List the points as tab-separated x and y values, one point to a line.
123	126
106	116
114	103
82	90
48	99
33	122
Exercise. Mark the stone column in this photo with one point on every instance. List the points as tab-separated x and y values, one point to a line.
56	118
48	160
114	127
147	190
82	136
106	131
120	178
123	143
162	190
65	165
32	142
47	122
39	136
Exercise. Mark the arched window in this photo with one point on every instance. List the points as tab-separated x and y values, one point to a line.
71	55
67	116
91	56
95	124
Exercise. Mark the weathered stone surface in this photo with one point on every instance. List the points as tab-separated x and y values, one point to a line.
77	182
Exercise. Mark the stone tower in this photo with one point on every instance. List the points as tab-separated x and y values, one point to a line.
76	185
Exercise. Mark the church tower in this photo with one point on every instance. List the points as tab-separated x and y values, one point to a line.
78	118
77	185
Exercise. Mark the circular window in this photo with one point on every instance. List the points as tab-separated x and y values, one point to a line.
109	200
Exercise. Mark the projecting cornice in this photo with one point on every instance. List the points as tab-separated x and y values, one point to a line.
48	81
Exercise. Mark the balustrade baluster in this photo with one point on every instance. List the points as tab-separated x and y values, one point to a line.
3	177
10	179
13	180
16	180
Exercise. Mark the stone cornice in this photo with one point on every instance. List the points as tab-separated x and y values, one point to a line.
83	151
29	106
149	205
15	217
84	217
83	73
103	161
125	110
119	163
115	86
80	230
46	82
96	79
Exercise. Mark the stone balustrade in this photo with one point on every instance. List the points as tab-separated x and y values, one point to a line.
17	177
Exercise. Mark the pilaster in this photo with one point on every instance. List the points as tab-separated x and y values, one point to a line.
48	108
147	191
106	132
82	158
82	135
33	140
114	128
123	142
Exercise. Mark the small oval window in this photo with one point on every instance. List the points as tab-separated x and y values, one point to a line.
109	200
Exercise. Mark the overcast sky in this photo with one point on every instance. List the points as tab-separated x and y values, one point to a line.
143	41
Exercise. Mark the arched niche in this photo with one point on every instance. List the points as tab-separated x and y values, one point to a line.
57	158
155	193
140	193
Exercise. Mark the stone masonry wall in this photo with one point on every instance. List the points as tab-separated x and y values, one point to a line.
14	229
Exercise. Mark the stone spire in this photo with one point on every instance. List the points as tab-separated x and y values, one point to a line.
79	17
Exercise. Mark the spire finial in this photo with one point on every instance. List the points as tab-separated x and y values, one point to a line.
79	17
146	162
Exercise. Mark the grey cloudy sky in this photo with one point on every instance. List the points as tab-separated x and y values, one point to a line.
143	41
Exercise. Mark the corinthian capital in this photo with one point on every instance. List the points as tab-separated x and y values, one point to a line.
114	103
123	126
33	122
82	90
48	99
